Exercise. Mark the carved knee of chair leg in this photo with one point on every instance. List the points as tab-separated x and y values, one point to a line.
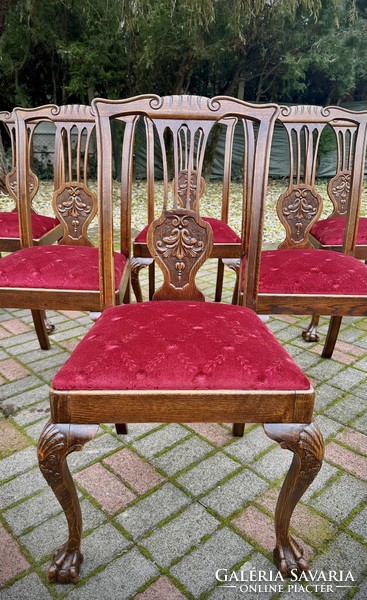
56	442
137	263
307	444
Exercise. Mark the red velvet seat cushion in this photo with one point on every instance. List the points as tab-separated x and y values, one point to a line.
9	225
222	233
330	232
179	345
60	267
311	272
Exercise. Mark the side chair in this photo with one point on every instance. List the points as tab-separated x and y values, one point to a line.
45	229
178	358
297	278
328	234
68	275
226	242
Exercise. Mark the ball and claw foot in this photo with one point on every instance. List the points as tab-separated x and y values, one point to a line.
310	334
289	558
65	566
50	327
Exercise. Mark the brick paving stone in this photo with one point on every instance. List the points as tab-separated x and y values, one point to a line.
159	440
328	426
327	370
4	334
346	459
340	497
20	340
349	348
32	512
10	438
177	536
234	493
17	463
347	379
25	348
359	524
27	588
13	562
257	562
256	525
156	507
12	370
312	528
214	433
347	408
344	554
18	387
119	580
247	448
182	455
100	547
22	486
207	473
15	326
274	464
325	395
196	571
136	472
95	449
353	439
49	361
110	493
32	413
162	589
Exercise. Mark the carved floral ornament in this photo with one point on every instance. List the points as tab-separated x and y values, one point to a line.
300	206
74	207
180	244
340	190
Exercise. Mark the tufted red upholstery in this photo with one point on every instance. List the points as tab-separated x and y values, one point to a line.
330	232
9	225
179	345
311	272
222	233
59	267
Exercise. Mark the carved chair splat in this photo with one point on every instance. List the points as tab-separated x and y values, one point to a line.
64	276
164	360
297	278
184	149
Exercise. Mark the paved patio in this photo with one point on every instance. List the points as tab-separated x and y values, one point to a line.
166	506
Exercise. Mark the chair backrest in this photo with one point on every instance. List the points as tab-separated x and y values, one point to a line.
74	204
8	119
301	205
178	130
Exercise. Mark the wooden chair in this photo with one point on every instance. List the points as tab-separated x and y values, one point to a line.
45	230
226	242
179	358
328	234
67	275
297	278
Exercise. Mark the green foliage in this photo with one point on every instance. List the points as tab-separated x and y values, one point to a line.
310	51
